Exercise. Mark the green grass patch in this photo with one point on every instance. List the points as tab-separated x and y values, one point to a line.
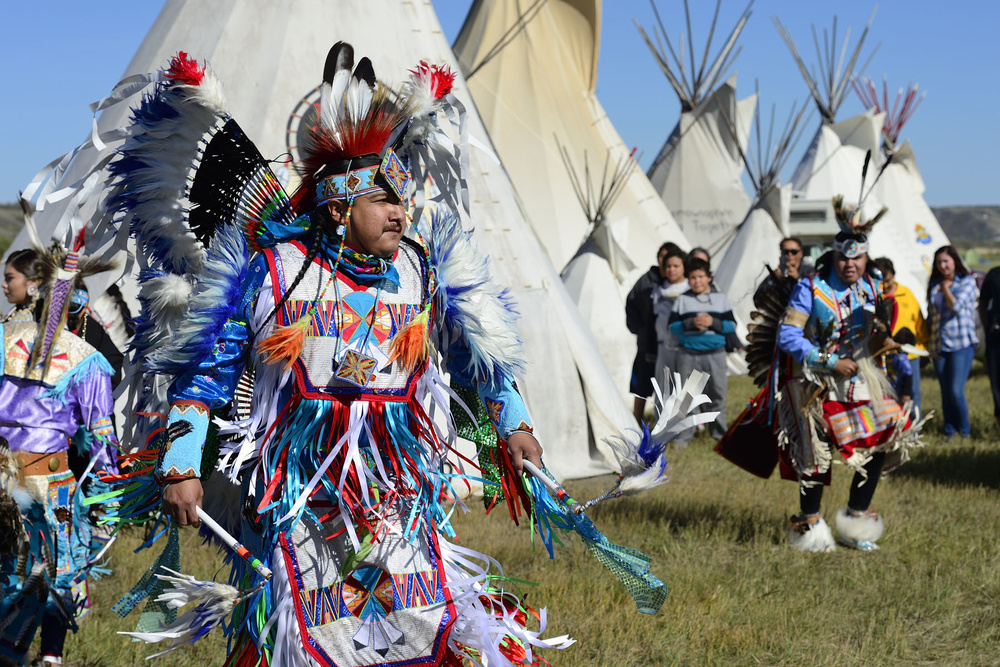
738	594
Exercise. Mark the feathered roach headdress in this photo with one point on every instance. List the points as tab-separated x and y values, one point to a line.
363	125
62	275
853	237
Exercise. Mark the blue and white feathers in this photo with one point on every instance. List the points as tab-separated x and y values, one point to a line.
472	309
214	603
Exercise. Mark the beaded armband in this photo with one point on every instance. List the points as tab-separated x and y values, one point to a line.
103	429
795	318
187	428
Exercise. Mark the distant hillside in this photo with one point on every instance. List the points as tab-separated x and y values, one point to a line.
967	224
11	222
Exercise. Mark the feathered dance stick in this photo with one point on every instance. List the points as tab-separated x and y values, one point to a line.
640	455
630	566
215	601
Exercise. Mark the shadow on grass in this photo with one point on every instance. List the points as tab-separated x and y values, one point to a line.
742	525
956	466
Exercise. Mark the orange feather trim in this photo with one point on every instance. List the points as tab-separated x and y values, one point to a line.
412	345
286	343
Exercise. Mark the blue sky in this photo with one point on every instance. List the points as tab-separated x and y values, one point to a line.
63	55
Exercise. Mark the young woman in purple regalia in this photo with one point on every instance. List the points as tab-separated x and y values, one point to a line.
51	383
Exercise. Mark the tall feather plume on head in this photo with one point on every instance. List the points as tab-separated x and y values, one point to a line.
63	272
852	240
352	150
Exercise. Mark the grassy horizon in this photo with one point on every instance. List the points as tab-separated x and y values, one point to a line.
738	594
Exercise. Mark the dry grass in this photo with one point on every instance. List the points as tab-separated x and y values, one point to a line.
738	595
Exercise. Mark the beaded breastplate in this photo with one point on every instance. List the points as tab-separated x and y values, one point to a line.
842	317
346	350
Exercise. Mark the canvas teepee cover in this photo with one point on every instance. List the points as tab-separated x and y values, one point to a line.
532	70
269	56
698	170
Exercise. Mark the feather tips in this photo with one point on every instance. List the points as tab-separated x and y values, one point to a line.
475	310
286	343
214	603
211	303
336	77
641	461
412	345
151	174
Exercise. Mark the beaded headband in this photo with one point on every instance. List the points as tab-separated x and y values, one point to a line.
361	181
852	246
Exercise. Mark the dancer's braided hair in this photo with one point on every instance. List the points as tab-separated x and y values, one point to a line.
320	223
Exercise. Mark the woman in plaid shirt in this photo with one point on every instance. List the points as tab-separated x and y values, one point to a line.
951	305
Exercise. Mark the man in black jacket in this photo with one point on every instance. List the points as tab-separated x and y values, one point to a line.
989	315
641	321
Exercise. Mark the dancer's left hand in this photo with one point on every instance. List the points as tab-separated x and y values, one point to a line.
522	445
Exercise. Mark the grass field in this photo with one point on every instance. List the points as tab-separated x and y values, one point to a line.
738	595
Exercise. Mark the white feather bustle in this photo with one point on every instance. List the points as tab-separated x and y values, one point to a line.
209	93
818	539
170	149
104	309
167	296
857	529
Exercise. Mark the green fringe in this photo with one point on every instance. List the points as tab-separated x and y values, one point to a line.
484	435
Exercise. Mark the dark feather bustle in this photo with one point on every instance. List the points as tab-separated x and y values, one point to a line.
11	526
771	300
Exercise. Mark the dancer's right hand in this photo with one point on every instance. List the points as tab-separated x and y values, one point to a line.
180	500
846	368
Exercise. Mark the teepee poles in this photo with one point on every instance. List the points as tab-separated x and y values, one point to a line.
692	90
596	200
829	85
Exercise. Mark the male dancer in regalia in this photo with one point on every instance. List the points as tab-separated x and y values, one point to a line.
340	321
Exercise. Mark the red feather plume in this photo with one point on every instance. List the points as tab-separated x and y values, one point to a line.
185	70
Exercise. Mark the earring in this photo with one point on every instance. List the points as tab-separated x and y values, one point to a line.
32	290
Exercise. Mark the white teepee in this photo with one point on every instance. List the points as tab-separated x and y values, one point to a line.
697	172
909	233
757	239
532	70
835	159
269	56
